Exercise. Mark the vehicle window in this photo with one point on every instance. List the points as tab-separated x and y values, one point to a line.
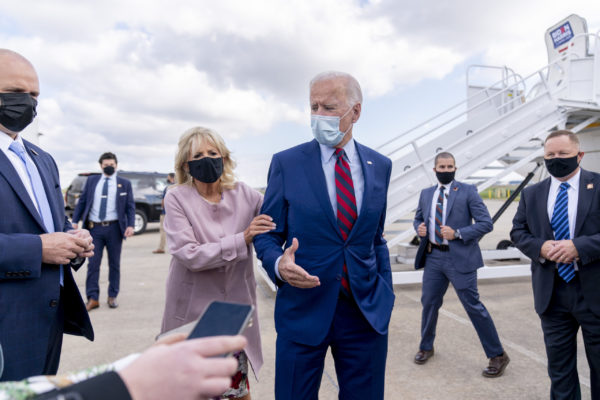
160	183
78	183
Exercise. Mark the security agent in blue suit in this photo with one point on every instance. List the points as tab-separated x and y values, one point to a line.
328	200
449	252
39	299
107	209
557	225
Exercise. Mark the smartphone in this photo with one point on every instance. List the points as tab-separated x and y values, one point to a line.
221	318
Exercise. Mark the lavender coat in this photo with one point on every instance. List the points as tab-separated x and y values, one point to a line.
210	259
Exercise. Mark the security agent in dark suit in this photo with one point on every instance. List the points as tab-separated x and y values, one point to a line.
449	252
107	209
557	225
39	299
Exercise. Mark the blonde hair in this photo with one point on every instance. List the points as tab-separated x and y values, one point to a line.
196	135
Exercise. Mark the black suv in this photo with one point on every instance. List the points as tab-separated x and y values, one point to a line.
147	194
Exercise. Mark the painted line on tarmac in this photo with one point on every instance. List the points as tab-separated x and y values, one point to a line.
505	342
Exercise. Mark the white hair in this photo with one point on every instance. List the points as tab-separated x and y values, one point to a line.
353	91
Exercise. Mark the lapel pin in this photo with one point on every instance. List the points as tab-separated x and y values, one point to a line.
590	186
369	162
455	188
119	185
34	152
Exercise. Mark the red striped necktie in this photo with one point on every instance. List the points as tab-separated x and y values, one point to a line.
346	203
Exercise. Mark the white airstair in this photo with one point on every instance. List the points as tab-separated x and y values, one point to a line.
499	124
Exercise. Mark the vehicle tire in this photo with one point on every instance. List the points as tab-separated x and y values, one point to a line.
504	244
140	222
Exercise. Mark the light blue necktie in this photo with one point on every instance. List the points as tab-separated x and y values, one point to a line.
38	190
103	201
36	184
560	226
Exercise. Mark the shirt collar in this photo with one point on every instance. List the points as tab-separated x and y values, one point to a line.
328	152
5	141
573	181
446	186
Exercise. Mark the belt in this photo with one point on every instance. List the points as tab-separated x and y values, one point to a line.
91	224
440	247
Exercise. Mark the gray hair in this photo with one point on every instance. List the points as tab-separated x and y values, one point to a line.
353	91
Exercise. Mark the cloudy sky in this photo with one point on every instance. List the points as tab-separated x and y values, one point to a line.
131	76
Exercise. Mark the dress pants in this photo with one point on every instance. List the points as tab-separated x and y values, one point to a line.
110	237
568	310
439	271
359	355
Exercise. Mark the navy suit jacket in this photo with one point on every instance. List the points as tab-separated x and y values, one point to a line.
531	228
463	206
29	289
125	202
297	200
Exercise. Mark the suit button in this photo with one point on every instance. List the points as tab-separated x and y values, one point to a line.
338	277
53	303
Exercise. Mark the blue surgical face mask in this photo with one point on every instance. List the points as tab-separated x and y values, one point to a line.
326	129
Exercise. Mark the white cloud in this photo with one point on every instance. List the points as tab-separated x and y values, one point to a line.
131	76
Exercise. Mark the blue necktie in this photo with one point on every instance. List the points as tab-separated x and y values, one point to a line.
103	201
439	217
38	191
560	226
36	184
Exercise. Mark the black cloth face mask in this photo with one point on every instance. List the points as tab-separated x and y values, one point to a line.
207	169
445	177
17	110
109	170
561	167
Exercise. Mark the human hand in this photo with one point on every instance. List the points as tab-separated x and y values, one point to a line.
75	225
260	224
129	231
294	274
184	370
85	235
60	247
548	244
422	230
447	232
563	251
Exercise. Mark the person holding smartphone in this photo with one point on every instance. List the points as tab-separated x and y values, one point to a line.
210	222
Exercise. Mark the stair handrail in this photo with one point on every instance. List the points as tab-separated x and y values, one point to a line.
522	80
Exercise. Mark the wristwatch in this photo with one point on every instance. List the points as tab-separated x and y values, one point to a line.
457	234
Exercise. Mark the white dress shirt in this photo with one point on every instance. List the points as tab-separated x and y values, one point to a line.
15	160
328	160
431	222
111	203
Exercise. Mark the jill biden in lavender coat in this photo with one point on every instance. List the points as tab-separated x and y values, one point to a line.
209	236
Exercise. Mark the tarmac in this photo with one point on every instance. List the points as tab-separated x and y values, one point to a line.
453	373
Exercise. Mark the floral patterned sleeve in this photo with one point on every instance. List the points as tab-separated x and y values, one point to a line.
30	387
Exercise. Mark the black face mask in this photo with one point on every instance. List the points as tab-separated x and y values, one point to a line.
445	177
17	110
561	167
207	169
109	170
